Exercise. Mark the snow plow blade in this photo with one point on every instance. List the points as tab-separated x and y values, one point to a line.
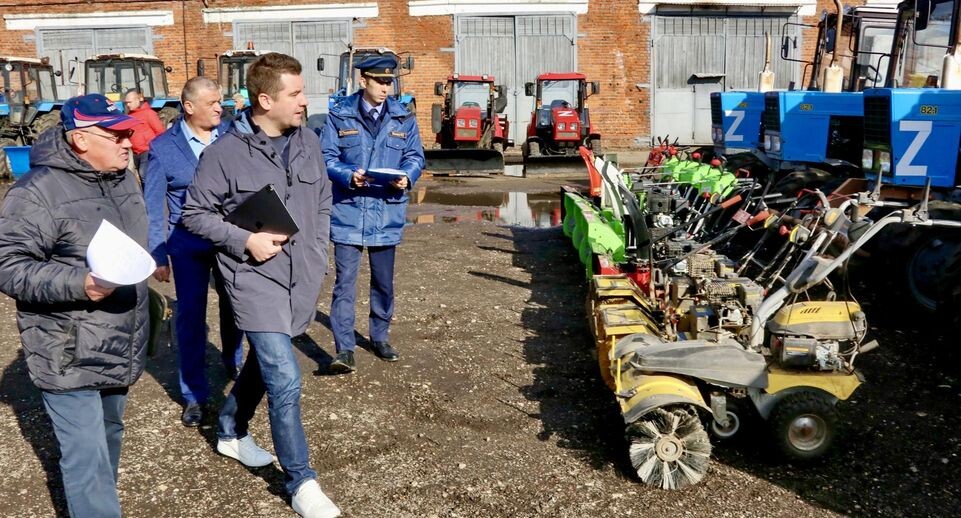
464	162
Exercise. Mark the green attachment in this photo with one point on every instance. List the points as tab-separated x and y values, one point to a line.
591	231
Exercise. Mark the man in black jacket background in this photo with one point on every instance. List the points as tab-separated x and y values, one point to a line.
84	343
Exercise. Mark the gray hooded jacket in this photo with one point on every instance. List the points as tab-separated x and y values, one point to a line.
48	218
278	295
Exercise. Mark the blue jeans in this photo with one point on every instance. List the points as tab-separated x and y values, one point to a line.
347	264
192	259
89	428
271	367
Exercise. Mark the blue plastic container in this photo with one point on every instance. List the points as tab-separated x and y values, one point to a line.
19	157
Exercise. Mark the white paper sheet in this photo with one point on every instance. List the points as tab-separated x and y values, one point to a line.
383	175
115	259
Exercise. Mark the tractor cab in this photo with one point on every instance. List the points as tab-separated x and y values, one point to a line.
348	77
471	133
112	75
232	68
27	92
560	122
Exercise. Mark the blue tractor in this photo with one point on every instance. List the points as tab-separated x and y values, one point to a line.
912	138
112	75
810	136
347	75
232	68
29	103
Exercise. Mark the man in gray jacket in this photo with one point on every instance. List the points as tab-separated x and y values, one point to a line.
273	280
84	343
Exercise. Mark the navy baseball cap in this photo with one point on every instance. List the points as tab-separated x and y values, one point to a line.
378	66
94	110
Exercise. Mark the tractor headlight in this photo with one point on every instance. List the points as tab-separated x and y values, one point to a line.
473	123
461	123
767	142
867	159
776	143
885	158
561	126
573	126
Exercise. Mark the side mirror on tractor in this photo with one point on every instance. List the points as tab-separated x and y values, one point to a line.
787	43
438	88
409	64
500	104
201	67
922	13
595	87
436	117
320	64
529	89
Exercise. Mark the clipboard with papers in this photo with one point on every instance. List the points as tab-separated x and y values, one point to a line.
383	176
264	211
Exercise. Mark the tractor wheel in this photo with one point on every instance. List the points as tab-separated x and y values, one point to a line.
804	425
167	115
925	268
949	292
5	170
792	183
669	448
533	148
595	145
45	122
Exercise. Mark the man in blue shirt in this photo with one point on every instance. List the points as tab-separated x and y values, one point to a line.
171	164
365	131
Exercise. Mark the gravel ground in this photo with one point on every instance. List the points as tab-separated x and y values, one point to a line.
496	407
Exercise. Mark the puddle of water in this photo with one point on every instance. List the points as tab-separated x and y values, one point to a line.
520	209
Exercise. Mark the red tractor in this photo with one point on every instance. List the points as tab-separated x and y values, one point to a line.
560	122
471	133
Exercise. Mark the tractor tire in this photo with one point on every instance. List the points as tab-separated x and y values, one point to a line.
6	172
533	148
595	146
804	425
921	257
45	122
949	292
794	182
167	115
669	448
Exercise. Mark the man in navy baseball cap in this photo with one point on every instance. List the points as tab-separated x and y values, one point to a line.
98	131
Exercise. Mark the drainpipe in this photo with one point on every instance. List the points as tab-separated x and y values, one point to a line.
951	67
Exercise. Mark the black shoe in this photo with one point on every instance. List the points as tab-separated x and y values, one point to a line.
343	363
192	415
385	351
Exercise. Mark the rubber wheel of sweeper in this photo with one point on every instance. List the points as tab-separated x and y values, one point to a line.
738	416
805	425
669	448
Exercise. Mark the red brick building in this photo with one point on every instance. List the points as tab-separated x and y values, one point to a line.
654	60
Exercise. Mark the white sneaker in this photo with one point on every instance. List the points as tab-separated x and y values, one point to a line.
310	502
246	451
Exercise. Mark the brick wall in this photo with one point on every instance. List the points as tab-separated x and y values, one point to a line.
613	48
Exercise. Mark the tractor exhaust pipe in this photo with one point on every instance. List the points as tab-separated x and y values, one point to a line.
951	66
834	74
765	81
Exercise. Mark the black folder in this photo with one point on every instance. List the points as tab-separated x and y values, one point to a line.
264	211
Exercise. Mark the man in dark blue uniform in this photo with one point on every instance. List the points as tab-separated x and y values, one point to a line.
366	131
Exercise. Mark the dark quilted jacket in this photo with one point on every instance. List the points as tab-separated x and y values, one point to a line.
48	218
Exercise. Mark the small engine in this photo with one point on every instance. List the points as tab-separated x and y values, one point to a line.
815	334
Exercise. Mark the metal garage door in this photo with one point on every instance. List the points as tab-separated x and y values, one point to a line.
306	41
695	55
68	47
515	50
